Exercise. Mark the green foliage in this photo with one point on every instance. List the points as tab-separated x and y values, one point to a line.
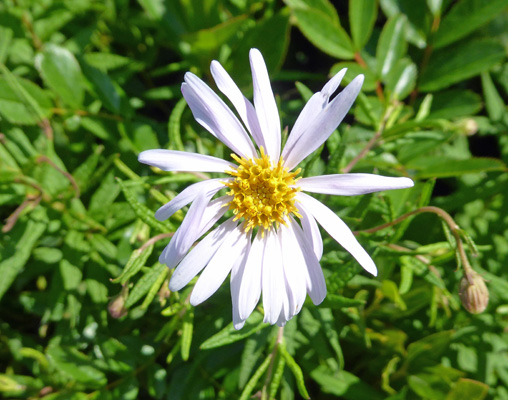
85	309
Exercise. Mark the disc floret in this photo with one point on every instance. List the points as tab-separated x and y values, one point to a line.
263	194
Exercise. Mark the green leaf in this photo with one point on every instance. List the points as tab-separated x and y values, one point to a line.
18	246
468	389
324	32
207	41
344	384
230	335
246	393
146	282
106	90
136	261
391	45
353	70
362	16
449	66
142	212
174	126
493	101
401	80
271	37
465	17
455	103
22	101
187	328
336	301
441	167
61	72
76	366
296	370
6	35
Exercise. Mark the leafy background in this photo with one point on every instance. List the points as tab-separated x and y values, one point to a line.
85	312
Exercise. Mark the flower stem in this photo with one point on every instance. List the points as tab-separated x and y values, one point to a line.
447	218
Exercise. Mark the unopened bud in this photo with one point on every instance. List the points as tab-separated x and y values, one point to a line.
467	126
473	292
116	306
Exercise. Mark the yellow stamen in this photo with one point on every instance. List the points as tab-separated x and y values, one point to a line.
262	193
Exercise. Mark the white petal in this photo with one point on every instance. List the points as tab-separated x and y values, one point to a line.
236	279
316	284
272	279
233	247
311	230
352	184
320	127
175	250
172	160
198	257
244	107
250	286
314	106
338	230
293	262
266	107
210	186
214	115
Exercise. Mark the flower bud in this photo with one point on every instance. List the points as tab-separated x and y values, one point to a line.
116	306
473	292
467	126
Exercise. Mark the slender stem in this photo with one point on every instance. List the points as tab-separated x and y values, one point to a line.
13	218
71	179
370	144
151	241
280	337
447	218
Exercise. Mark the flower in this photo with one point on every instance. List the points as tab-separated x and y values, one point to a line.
263	246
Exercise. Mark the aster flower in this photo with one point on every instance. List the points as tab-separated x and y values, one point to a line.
272	244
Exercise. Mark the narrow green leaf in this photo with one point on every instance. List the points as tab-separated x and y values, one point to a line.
401	80
143	213
75	366
187	328
277	377
441	167
493	101
324	33
85	170
174	127
6	35
336	301
61	72
465	17
362	16
230	335
105	89
22	101
455	103
344	382
246	393
296	370
468	389
154	290
455	64
252	351
353	70
145	284
391	46
18	247
136	261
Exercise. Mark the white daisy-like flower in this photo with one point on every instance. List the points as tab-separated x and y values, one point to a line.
272	244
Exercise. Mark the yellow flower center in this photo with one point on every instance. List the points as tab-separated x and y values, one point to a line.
262	192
